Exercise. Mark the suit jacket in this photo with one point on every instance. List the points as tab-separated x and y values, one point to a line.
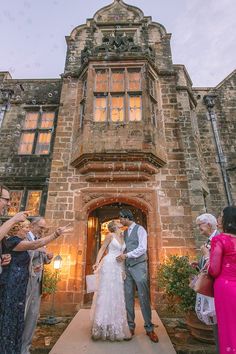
203	259
36	258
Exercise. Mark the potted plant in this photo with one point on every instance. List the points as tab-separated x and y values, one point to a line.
50	280
173	279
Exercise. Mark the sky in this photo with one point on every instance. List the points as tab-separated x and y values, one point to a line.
32	34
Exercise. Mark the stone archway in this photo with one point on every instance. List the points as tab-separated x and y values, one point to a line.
91	200
97	219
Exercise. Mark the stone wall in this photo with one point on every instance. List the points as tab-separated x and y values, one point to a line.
26	171
169	171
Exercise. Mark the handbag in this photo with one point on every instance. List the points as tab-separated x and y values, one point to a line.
91	283
202	283
205	309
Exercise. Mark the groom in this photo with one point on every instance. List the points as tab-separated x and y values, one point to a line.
136	272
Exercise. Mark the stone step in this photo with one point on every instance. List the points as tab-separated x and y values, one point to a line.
76	339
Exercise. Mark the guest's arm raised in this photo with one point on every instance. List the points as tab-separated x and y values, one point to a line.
19	217
33	245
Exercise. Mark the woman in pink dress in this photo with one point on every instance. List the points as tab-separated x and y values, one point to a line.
222	267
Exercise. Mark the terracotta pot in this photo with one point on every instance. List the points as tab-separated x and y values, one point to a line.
198	329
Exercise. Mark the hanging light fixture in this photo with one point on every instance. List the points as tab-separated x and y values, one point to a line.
57	262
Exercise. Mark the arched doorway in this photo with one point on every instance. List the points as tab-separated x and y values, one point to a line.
97	220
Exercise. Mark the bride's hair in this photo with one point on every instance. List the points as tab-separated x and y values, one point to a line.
112	226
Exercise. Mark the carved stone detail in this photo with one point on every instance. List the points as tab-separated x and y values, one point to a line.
146	197
88	197
116	43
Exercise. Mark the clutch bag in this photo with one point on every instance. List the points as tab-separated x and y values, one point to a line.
91	283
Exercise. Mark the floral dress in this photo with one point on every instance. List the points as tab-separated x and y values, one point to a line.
13	285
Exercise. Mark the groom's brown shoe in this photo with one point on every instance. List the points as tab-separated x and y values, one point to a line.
153	336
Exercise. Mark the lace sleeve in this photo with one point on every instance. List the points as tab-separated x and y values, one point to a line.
216	256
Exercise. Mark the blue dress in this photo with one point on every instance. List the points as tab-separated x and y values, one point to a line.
13	286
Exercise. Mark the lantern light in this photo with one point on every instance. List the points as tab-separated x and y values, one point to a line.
57	262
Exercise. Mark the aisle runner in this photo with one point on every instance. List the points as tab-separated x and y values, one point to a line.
76	339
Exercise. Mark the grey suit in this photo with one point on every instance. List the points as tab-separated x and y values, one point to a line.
136	275
202	263
33	297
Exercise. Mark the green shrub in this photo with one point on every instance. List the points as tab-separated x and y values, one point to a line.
50	280
173	279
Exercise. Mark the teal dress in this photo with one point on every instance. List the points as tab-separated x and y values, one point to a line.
13	286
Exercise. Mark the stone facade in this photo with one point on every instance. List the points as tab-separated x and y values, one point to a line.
174	163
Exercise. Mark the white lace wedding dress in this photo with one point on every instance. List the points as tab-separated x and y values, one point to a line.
108	308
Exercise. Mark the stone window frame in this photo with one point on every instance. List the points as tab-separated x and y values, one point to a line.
107	93
205	195
2	114
84	87
24	200
152	90
82	113
83	101
38	130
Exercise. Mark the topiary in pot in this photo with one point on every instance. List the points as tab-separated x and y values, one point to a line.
173	278
50	280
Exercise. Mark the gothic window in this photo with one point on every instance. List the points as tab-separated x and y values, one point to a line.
26	143
101	82
33	202
153	99
152	87
29	200
117	80
117	108
84	93
134	80
154	113
82	113
205	198
36	133
16	197
100	109
2	113
83	101
135	108
117	95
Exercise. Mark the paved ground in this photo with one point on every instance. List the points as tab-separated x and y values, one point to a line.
76	339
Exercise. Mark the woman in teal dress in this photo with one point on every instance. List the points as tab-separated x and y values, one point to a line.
13	285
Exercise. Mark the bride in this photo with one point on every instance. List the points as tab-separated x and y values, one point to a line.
108	308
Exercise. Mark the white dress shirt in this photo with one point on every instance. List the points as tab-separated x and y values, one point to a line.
212	235
142	242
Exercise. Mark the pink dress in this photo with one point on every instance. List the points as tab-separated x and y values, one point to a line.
223	268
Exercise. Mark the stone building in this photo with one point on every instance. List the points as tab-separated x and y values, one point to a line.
123	127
